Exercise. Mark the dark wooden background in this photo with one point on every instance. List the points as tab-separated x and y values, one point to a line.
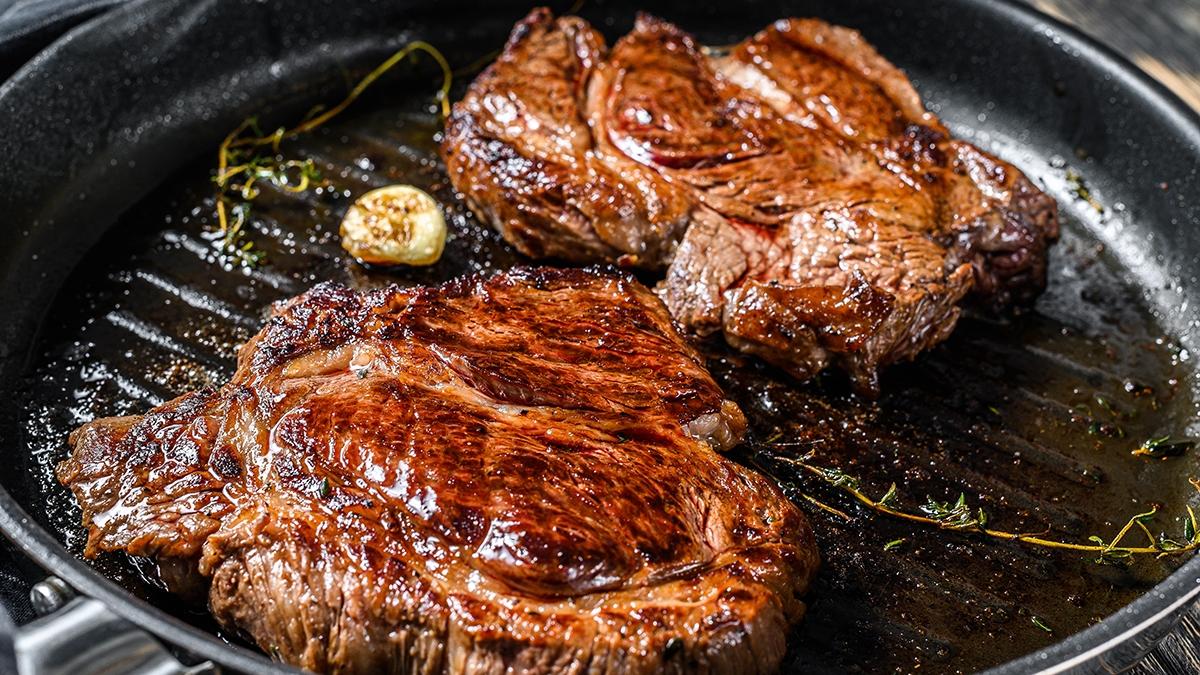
1163	38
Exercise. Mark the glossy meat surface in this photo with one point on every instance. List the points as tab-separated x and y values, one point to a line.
522	135
984	211
830	220
799	215
515	474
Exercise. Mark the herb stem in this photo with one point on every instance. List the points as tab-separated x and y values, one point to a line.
825	507
959	517
312	123
223	171
1146	530
238	142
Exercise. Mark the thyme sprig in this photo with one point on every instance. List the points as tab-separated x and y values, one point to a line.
960	516
241	164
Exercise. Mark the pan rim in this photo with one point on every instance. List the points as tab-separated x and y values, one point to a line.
1158	603
1181	588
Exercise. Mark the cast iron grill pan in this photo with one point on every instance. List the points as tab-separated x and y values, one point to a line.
993	413
1031	417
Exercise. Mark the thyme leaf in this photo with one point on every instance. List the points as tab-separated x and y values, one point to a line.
956	516
1082	191
839	478
1162	447
889	497
1167	545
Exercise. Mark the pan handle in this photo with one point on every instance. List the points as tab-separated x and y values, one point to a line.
76	635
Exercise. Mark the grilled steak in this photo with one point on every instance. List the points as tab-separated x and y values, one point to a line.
817	213
522	137
517	474
984	210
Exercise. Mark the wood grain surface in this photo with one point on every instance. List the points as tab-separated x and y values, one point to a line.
1163	38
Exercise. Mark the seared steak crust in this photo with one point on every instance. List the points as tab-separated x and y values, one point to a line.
808	215
818	214
987	212
514	474
527	162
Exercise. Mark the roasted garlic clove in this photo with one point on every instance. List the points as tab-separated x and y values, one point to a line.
395	225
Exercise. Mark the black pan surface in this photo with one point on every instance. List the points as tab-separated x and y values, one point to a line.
118	302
